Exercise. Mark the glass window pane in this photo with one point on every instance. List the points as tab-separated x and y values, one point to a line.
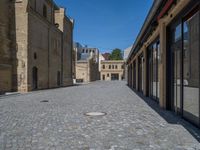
154	71
191	69
158	76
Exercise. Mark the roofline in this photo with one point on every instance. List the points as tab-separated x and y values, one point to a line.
156	4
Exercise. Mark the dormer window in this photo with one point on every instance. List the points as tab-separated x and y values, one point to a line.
45	11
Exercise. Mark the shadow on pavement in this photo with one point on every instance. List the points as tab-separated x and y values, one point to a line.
170	116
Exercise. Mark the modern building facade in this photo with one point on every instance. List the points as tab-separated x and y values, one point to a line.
112	70
164	63
41	46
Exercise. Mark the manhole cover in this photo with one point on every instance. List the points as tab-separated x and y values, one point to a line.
95	114
44	101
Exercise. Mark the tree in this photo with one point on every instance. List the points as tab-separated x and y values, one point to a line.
116	54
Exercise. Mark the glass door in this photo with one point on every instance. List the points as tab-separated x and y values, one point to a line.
191	65
153	70
185	66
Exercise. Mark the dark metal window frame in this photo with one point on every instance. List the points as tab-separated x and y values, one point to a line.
150	69
189	11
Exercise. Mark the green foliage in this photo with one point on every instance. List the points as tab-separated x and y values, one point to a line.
116	54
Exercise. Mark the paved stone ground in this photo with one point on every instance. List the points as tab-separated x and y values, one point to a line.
60	124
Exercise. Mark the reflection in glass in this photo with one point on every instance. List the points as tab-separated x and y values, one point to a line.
191	68
176	52
153	69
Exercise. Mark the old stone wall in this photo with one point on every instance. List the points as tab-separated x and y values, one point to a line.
66	26
5	52
82	70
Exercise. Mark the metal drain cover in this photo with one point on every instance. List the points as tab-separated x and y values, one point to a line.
44	101
95	114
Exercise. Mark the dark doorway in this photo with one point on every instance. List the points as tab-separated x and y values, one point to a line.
114	76
35	78
58	78
103	77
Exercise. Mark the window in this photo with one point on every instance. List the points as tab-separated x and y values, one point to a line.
122	66
153	72
35	55
115	66
86	51
103	66
108	75
109	66
83	51
45	11
103	77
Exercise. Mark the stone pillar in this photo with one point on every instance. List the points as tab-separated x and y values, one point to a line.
137	82
162	66
145	72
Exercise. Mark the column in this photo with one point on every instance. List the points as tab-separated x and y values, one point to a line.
162	66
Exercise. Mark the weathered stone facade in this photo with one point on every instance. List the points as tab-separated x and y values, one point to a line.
6	53
43	48
112	70
87	71
66	26
87	63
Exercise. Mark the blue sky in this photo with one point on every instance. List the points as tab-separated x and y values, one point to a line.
106	24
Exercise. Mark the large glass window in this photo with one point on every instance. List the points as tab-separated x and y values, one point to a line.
176	54
191	68
153	70
185	67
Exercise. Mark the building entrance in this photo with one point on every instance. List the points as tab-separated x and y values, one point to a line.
114	76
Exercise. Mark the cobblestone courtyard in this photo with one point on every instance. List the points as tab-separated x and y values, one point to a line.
131	122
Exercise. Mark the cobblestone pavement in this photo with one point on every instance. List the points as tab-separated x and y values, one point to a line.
60	124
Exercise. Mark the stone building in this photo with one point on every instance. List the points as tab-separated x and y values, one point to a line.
7	47
101	58
112	70
66	26
87	63
43	46
86	71
164	61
